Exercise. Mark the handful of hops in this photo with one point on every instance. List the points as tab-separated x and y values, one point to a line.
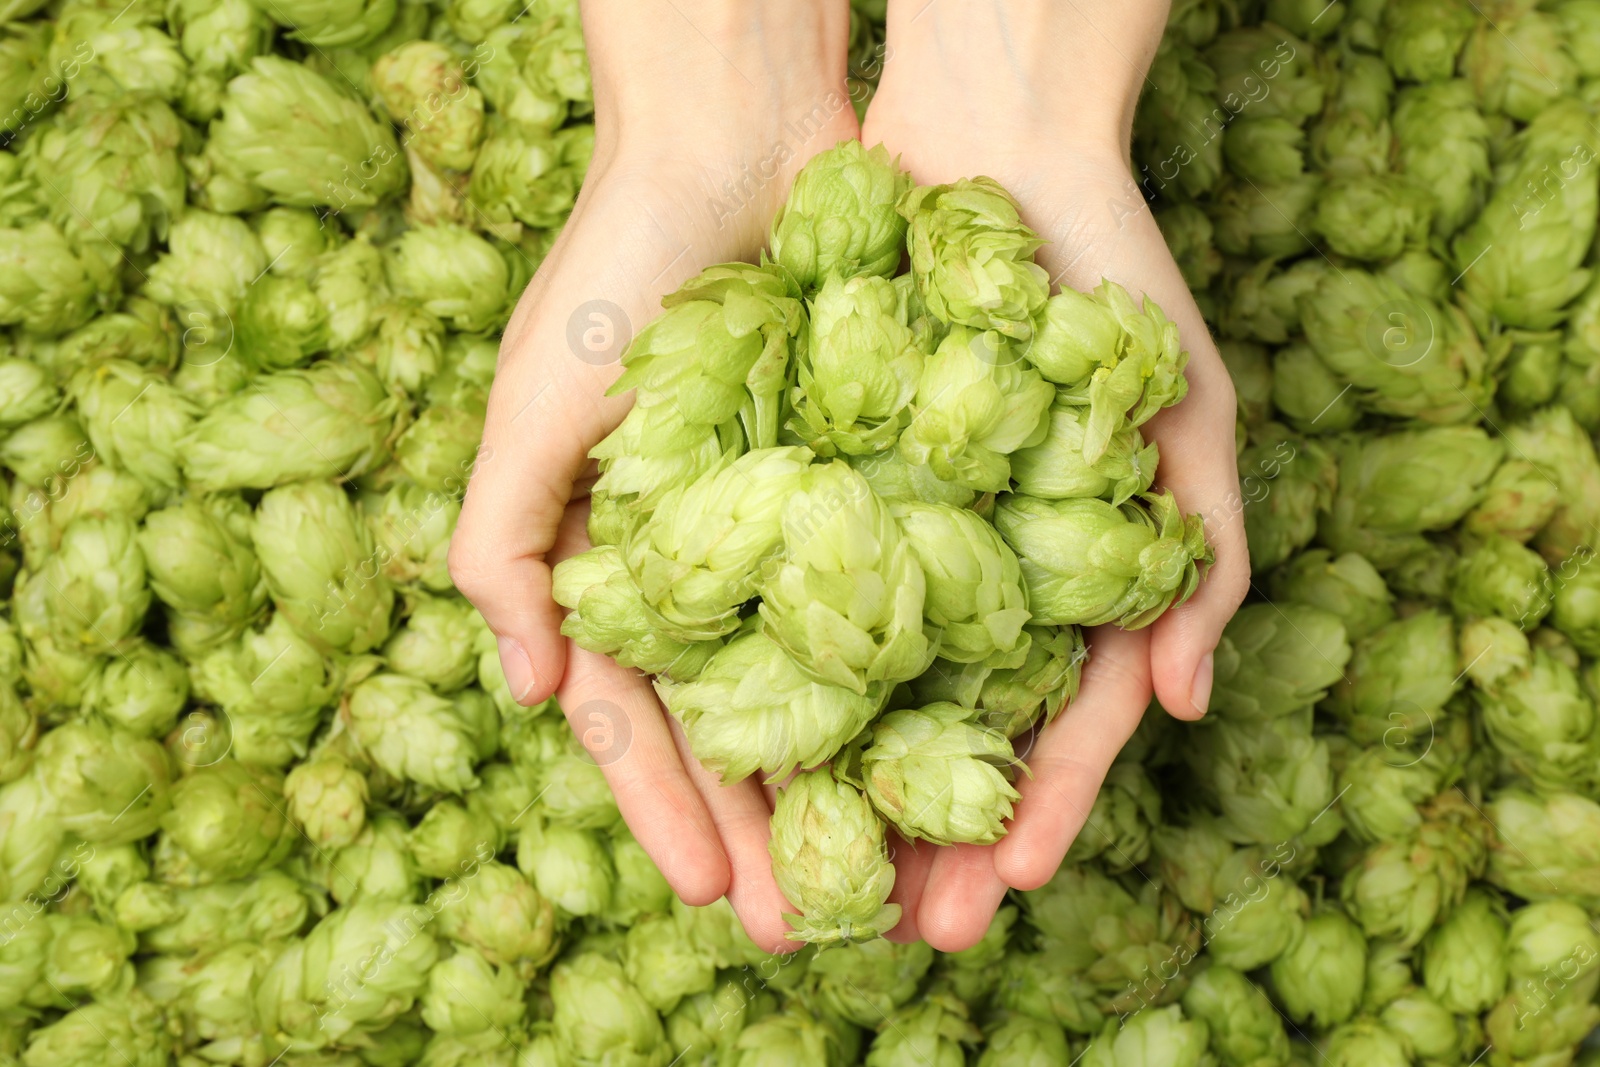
847	501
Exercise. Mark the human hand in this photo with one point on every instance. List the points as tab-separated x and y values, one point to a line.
1040	96
703	114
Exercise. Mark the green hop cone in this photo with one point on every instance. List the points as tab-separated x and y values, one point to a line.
409	347
656	450
1086	562
608	615
127	1029
1054	469
135	419
318	559
830	859
1371	217
436	644
264	436
600	1017
1021	1041
1263	303
1401	353
840	218
497	911
412	733
1562	452
1121	360
938	776
935	1030
664	963
1395	486
1464	957
752	709
1320	977
1308	395
289	135
324	990
454	274
422	86
1259	913
1381	786
281	323
19	731
721	350
1517	502
110	171
699	557
1163	128
1247	53
411	530
102	784
327	798
46	287
640	888
972	256
1270	779
22	52
1262	221
1398	889
1156	1035
27	392
1500	577
466	996
860	368
975	404
1265	149
439	450
1287	480
93	589
1275	659
377	865
1542	721
1012	699
1245	1027
974	585
1526	255
1364	1043
863	983
1443	142
332	25
142	691
227	821
1423	37
1034	985
795	1037
1398	678
273	684
568	865
201	562
1117	832
1189	235
1519	66
208	267
526	177
219	38
846	597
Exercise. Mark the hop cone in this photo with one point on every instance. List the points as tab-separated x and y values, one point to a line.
830	860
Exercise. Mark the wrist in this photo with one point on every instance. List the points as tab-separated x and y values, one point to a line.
1037	71
723	72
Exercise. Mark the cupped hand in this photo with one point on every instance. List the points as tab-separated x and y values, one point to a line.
703	114
1040	96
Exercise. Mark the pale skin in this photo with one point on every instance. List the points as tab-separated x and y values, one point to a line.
1036	94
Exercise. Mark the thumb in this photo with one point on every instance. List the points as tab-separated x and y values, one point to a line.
546	410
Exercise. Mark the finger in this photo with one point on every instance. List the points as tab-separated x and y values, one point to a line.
743	820
962	895
912	861
547	409
618	720
1072	755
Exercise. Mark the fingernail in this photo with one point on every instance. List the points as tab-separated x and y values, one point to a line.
1200	689
518	668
